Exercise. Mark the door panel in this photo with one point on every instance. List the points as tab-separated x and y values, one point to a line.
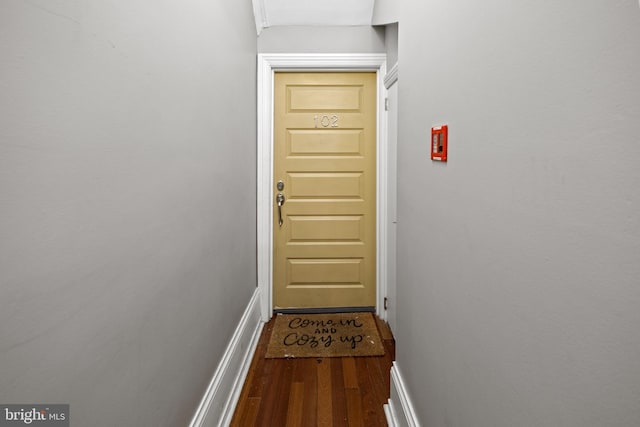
324	98
325	156
331	142
336	228
325	273
326	185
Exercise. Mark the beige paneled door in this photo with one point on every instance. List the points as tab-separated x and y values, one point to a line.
324	229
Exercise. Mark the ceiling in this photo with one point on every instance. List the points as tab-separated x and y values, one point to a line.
269	13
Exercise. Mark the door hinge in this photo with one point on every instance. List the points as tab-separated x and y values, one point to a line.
386	305
386	104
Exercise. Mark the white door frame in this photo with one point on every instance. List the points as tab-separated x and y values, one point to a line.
268	64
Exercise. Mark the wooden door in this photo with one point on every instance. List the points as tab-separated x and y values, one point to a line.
324	232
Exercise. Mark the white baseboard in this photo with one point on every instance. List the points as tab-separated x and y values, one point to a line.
390	414
219	402
399	410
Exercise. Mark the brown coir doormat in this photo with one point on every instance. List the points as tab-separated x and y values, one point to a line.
324	335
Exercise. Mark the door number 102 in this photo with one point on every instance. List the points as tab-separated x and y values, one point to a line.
325	121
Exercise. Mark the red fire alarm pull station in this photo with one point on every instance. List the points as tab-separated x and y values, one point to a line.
439	143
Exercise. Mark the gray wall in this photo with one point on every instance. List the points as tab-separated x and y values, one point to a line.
320	39
385	12
519	259
127	202
391	44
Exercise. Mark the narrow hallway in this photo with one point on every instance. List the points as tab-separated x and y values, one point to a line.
139	204
338	391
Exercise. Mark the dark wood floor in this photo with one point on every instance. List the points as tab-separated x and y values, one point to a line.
339	391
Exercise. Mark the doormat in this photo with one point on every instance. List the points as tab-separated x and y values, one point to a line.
324	335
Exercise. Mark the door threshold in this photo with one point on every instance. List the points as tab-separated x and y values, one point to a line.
324	310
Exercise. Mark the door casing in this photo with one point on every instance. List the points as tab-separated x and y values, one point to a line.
268	64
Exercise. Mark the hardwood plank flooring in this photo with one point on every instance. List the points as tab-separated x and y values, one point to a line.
316	392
